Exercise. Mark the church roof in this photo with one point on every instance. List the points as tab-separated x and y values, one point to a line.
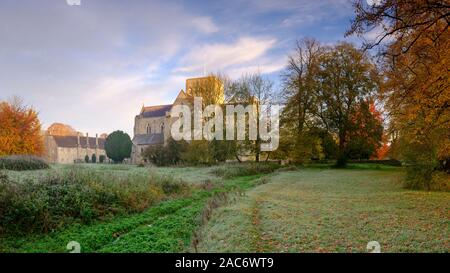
72	142
155	111
148	139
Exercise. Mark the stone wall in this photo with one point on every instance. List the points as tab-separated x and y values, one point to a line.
51	149
70	155
136	153
141	123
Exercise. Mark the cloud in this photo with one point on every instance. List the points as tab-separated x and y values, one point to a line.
377	33
93	66
205	24
222	56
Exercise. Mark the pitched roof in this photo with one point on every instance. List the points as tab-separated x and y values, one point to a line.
72	142
148	139
155	111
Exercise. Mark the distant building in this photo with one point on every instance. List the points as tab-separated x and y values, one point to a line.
64	145
152	125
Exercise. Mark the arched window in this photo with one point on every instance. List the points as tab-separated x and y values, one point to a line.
149	129
162	127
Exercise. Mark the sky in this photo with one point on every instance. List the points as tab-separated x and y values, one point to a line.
94	65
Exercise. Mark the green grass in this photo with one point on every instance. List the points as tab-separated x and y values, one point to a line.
194	175
302	209
167	227
330	210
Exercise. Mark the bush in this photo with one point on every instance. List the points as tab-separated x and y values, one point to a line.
102	158
246	169
426	177
388	162
118	146
86	159
77	196
161	155
22	163
169	186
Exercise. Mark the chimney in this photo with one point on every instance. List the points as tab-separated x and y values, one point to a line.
96	140
87	140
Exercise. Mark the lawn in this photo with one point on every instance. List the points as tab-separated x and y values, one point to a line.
327	210
314	209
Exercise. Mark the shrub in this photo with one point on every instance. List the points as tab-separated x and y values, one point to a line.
169	186
102	158
22	163
388	162
161	155
86	159
230	171
426	177
118	146
78	196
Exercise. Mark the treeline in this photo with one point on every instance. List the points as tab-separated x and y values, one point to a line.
413	50
328	113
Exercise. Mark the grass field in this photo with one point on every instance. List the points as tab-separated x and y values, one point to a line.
194	175
315	209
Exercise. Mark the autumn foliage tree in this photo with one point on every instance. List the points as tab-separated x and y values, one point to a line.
20	129
365	138
413	42
326	91
345	79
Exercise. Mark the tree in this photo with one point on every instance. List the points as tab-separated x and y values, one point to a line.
299	84
346	77
20	129
298	133
413	44
118	146
365	137
251	89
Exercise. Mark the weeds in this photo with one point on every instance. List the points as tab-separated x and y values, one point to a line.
22	163
78	196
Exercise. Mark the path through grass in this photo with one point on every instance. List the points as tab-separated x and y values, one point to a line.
328	210
167	227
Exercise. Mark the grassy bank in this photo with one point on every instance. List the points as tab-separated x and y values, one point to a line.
164	227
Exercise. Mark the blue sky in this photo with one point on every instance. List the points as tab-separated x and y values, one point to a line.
93	66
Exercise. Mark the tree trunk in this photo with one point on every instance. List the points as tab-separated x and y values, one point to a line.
342	155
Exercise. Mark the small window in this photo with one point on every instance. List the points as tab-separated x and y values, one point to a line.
162	127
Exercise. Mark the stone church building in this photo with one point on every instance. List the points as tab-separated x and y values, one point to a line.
152	125
64	145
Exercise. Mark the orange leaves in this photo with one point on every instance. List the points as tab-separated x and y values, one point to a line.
20	129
